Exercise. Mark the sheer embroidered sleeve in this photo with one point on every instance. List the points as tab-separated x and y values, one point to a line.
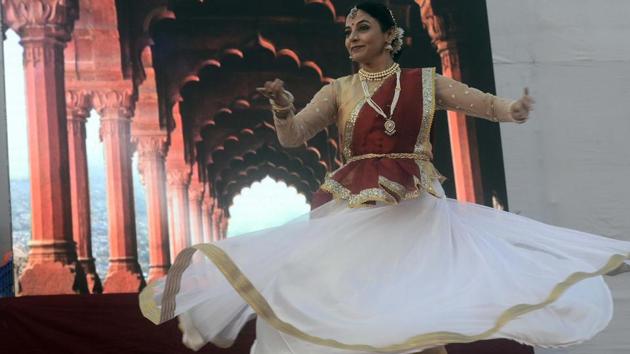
457	96
296	128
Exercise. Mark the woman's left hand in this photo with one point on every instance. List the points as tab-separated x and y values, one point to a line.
520	108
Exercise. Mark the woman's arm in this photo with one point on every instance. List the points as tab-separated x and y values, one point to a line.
456	96
294	129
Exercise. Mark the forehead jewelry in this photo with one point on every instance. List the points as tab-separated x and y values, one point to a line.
393	18
353	12
396	44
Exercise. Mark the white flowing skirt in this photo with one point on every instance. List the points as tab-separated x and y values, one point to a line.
393	279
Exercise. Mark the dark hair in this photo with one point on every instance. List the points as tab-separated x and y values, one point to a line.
383	15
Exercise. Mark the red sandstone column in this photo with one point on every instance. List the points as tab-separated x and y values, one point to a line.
151	152
216	222
206	216
221	221
178	178
115	109
463	139
44	28
151	140
178	171
78	108
172	242
195	197
462	132
224	225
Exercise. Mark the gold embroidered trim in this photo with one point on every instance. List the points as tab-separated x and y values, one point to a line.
423	143
428	173
389	192
259	304
393	188
348	130
360	199
392	155
148	306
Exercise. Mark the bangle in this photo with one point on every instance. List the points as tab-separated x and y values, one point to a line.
277	107
281	109
290	98
493	112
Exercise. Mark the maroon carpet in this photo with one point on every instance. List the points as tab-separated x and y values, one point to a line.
114	324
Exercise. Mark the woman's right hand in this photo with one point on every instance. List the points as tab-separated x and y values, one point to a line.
274	90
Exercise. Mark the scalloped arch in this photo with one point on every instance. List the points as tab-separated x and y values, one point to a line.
156	15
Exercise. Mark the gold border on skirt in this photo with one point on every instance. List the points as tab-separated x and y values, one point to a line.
259	304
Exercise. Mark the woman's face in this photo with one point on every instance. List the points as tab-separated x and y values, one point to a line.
365	41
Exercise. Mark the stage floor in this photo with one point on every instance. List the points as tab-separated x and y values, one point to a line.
113	323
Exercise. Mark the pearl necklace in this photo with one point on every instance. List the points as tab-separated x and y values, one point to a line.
390	125
378	75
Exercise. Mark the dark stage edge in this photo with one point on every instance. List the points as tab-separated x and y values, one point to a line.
112	323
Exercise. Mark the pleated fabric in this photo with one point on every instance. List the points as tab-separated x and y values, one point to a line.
393	279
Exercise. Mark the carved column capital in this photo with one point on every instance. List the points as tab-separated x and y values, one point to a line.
41	19
196	191
151	150
78	104
150	145
114	103
177	177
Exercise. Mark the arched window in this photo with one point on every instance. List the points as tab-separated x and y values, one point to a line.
264	204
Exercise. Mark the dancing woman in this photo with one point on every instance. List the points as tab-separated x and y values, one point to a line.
388	263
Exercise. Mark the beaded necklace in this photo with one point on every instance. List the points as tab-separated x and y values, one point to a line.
390	125
378	75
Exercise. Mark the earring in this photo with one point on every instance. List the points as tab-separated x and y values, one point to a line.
350	57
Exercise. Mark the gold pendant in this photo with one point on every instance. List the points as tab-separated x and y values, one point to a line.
390	127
